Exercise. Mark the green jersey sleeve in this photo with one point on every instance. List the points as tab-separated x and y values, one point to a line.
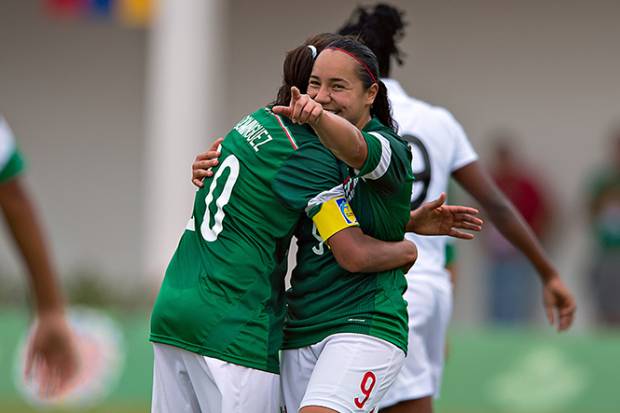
388	163
11	160
309	177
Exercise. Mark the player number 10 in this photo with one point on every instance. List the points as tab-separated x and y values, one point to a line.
210	232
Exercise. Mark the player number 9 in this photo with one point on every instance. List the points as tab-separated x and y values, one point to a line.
366	386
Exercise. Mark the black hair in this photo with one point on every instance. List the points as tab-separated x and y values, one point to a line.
380	27
298	64
368	73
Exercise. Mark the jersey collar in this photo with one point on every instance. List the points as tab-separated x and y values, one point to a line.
373	124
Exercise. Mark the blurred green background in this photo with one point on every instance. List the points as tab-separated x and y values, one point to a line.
503	371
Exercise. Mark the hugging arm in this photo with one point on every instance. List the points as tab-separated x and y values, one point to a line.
357	252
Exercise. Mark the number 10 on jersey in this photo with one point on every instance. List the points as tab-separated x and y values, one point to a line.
210	229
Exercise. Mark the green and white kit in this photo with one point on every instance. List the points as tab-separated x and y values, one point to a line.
11	160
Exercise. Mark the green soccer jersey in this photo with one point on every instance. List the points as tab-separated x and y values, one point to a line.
324	298
11	160
223	292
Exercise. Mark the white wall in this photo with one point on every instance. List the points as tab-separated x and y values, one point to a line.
73	94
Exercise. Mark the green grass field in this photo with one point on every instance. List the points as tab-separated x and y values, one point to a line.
487	371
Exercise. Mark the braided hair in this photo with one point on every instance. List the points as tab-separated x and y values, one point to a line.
380	27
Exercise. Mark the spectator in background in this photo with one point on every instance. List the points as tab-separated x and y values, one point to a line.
512	283
51	355
604	209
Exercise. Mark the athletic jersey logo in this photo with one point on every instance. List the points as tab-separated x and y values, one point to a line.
349	185
345	210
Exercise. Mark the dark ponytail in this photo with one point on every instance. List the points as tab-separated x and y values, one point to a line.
382	109
298	64
368	73
380	28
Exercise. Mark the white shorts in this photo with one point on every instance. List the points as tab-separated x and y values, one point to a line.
188	382
429	306
344	372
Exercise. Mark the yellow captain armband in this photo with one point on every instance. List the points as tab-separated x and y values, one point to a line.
334	216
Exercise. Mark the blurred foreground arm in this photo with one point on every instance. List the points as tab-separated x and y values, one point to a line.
51	355
558	301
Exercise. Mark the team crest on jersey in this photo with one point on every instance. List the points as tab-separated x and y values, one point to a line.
345	210
349	185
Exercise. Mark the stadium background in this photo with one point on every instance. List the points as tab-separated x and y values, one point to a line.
110	110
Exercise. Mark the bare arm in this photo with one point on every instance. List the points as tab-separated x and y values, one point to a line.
510	223
51	350
505	216
356	252
337	134
342	138
436	218
23	224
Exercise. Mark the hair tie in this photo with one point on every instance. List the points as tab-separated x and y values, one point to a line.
313	50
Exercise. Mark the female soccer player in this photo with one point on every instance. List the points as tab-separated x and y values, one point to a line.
440	142
51	356
217	322
346	333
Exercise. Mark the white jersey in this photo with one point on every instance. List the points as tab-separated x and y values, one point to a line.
7	143
439	147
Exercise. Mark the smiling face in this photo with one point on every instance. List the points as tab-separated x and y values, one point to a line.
335	83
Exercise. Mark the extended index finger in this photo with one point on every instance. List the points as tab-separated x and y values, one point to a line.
295	94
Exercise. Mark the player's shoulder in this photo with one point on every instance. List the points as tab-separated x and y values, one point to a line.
376	128
435	112
7	142
389	136
6	135
408	107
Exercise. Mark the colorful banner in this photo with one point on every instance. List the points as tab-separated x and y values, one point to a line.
101	7
65	8
133	13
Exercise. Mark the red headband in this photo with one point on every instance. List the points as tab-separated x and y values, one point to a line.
372	77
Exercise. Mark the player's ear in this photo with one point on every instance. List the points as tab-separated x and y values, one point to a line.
371	94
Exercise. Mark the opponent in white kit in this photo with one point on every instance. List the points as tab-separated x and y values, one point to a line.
441	150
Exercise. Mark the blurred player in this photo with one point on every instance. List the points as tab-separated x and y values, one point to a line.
51	358
441	150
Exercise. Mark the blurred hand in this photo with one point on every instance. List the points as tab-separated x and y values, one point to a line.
302	108
559	303
435	218
51	357
201	168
